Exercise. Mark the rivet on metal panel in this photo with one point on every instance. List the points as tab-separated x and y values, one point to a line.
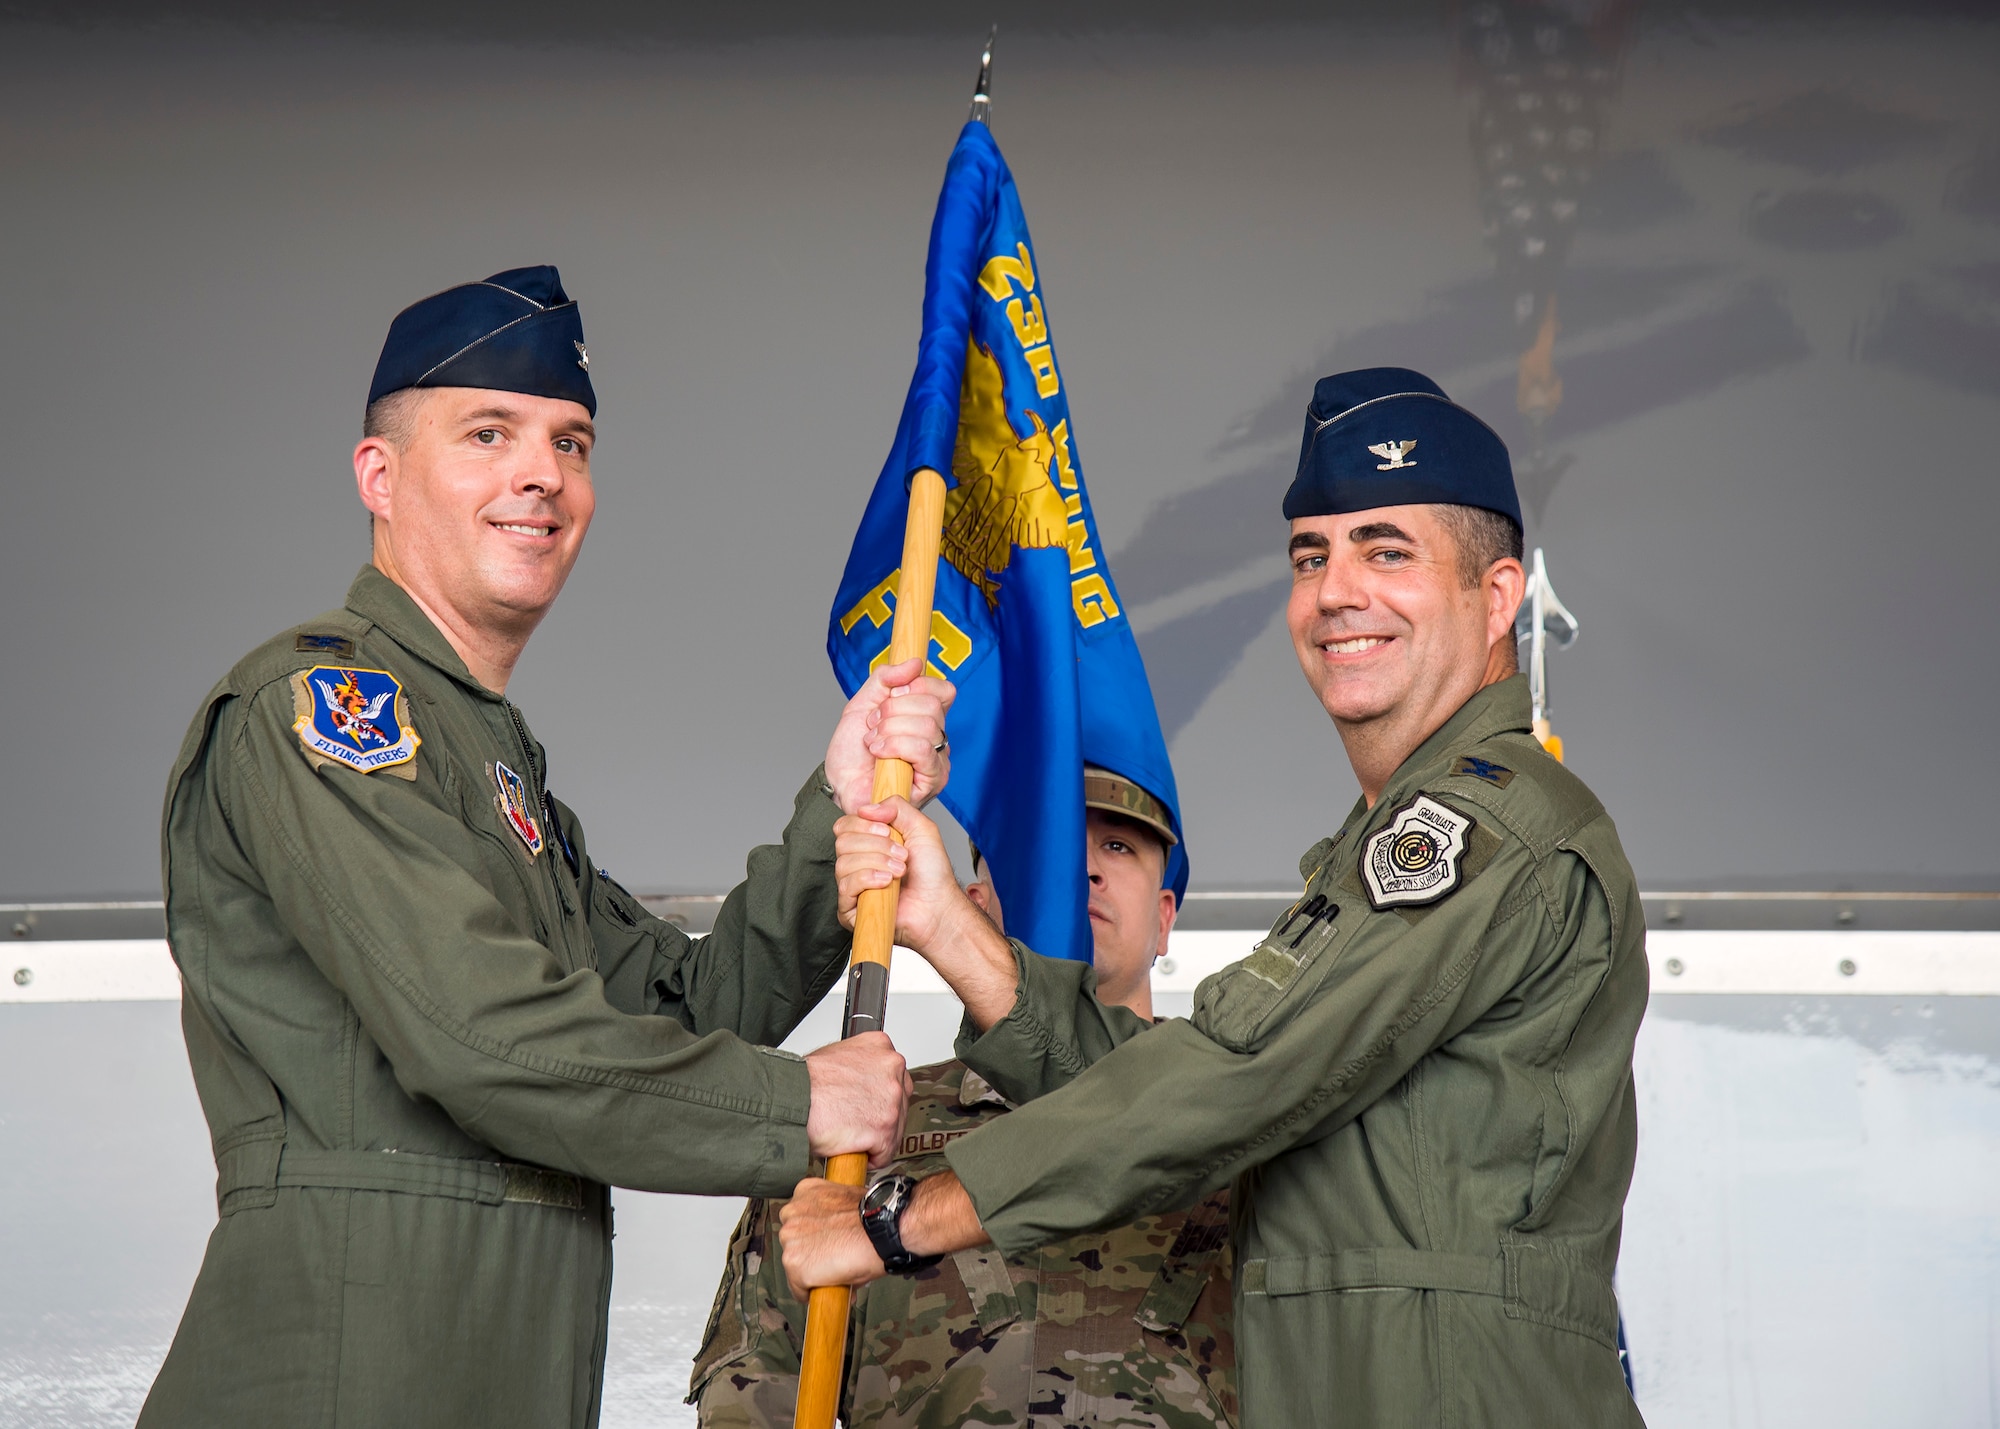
1844	917
1675	967
23	976
1167	967
20	930
1847	967
1674	914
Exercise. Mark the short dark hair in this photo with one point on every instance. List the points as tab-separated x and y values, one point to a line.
393	418
393	415
1482	537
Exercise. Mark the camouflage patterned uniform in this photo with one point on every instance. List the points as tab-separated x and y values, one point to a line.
1128	1327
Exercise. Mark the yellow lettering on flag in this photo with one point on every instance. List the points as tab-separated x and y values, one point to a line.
949	648
1092	599
1065	465
872	605
1080	557
949	644
1042	362
1000	270
1030	326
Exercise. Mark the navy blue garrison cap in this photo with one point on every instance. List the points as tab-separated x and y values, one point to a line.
1387	436
516	332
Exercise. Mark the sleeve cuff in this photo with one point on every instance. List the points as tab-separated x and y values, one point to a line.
787	1157
1018	1053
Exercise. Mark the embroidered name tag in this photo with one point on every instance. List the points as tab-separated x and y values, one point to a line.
928	1143
1416	858
354	717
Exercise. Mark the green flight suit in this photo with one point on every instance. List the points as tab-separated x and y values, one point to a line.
1426	1107
1128	1327
424	1050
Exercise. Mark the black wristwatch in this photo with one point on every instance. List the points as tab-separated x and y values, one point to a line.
882	1207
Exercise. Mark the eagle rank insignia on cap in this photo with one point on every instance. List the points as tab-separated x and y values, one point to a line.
354	717
1392	454
1415	860
514	807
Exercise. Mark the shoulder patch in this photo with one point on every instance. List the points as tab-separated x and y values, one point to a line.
359	718
1498	775
338	646
1417	857
511	798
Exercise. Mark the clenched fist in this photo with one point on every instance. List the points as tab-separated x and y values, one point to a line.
860	1094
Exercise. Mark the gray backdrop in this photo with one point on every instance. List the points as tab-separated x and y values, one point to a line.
1767	489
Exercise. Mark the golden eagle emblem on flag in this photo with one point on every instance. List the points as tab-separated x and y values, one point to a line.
1004	497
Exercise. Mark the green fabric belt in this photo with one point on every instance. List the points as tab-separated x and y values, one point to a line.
1538	1283
249	1174
1374	1269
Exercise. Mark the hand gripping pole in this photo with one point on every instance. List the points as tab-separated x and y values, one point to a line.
874	937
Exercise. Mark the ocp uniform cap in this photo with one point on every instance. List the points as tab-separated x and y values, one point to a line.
1387	436
1115	794
517	331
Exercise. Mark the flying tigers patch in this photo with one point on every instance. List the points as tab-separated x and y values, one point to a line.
359	718
1416	859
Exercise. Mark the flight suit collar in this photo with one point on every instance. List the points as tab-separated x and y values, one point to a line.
375	597
1495	709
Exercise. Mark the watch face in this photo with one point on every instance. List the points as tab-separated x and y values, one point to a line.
884	1195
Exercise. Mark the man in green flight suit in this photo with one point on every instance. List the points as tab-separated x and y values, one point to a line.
426	1028
1420	1081
1125	1327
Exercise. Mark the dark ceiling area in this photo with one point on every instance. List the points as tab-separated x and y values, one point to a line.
529	21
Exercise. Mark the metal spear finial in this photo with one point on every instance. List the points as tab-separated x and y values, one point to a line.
982	102
1542	620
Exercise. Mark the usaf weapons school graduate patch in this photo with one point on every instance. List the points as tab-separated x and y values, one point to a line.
1416	858
359	718
512	801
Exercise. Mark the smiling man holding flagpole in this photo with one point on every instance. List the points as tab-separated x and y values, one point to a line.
1420	1081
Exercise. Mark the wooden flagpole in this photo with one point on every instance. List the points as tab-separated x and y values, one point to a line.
874	938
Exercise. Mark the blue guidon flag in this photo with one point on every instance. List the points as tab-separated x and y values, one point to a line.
355	717
1028	623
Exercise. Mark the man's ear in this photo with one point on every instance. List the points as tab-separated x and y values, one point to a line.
1169	910
980	893
1504	584
375	475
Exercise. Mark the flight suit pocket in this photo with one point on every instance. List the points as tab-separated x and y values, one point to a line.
1237	1007
506	868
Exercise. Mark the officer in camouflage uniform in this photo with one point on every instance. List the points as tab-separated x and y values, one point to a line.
426	1028
1420	1081
1129	1326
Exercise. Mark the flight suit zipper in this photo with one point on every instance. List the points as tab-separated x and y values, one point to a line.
540	803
